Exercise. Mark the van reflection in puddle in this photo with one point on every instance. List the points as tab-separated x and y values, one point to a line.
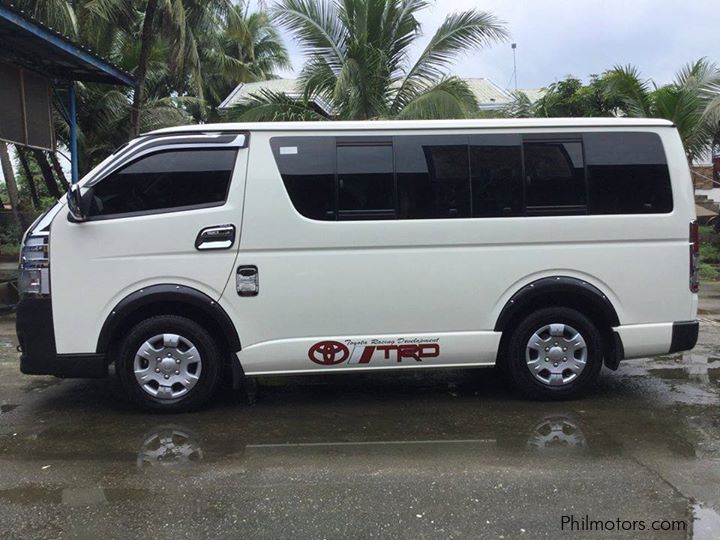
688	367
168	446
550	433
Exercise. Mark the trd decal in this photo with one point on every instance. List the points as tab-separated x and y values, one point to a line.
330	353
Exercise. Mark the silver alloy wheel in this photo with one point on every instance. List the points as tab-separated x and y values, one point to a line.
167	366
556	354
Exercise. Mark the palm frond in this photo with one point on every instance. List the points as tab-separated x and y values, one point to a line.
317	27
459	33
625	84
519	107
267	106
449	98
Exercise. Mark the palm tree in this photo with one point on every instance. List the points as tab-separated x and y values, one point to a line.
691	101
180	25
358	61
249	49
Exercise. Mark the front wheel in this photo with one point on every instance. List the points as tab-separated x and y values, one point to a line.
554	353
169	364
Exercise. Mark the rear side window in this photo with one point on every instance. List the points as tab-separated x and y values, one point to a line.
496	170
433	177
307	166
479	175
366	182
554	176
627	174
174	179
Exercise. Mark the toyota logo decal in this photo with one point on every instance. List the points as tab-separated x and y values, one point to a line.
328	353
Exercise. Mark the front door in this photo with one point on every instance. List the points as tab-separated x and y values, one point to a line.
169	216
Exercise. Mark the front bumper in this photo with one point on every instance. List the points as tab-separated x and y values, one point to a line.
34	325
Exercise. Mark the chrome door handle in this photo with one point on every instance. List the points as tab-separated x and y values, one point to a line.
216	237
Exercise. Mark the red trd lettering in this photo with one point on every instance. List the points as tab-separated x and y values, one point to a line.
408	351
429	350
387	349
367	354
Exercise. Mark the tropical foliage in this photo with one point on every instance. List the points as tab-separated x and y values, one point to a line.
691	101
361	61
186	56
358	61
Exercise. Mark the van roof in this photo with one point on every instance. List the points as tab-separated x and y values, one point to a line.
385	125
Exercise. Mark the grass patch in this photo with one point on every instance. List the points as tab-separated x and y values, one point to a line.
10	249
709	254
709	272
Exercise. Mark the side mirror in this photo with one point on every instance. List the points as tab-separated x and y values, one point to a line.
78	214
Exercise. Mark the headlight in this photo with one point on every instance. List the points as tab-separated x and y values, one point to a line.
34	279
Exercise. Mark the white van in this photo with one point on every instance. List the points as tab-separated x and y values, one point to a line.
201	254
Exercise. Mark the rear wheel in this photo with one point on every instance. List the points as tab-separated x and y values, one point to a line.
169	364
554	353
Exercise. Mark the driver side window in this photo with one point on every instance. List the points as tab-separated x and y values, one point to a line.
166	181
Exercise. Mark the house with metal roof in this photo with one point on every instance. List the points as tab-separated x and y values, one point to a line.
489	95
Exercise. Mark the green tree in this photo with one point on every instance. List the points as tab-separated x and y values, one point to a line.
186	56
691	101
181	26
571	98
249	49
357	60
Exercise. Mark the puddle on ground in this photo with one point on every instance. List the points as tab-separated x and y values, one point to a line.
38	385
706	523
169	446
688	367
84	496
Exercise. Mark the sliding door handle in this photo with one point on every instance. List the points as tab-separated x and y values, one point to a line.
216	237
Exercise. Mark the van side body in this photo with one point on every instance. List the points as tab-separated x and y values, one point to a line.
341	247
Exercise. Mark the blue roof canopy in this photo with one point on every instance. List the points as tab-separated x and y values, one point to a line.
32	45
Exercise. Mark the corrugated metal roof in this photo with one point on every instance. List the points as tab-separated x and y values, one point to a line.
29	43
488	94
245	90
533	94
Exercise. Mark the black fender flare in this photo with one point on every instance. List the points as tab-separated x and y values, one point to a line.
167	293
560	287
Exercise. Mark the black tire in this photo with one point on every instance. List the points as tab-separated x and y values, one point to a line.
208	381
516	364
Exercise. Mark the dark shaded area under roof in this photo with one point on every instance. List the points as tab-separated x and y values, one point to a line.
26	42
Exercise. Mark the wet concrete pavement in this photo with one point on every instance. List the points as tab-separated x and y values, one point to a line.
434	454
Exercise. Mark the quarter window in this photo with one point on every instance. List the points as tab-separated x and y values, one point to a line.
627	174
174	179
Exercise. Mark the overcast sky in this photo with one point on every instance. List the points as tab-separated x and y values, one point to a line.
560	37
